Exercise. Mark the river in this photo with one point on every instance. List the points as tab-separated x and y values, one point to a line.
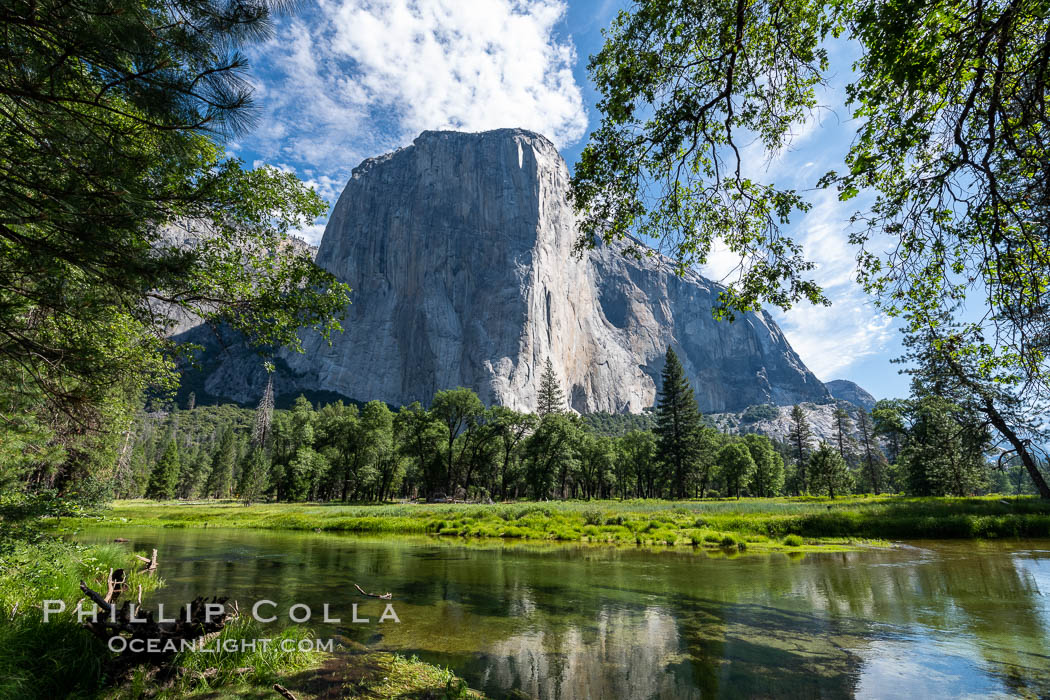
923	619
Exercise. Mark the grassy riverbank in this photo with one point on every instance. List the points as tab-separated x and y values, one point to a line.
762	523
60	658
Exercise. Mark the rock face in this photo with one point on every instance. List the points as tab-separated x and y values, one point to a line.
851	391
819	417
458	250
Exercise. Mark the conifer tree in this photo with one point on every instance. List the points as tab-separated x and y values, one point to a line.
255	465
677	425
220	478
874	461
550	399
844	435
799	436
165	475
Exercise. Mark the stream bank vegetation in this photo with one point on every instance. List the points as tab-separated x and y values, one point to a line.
746	523
55	654
459	450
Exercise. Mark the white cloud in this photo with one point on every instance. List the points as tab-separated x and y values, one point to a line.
832	339
356	78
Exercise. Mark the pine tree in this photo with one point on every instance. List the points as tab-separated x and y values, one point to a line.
800	435
550	398
220	478
829	472
678	424
263	416
844	435
255	465
874	461
255	473
768	477
165	475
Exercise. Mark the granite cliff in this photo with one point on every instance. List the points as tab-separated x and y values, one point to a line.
458	250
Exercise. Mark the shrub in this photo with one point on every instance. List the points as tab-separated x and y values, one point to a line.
793	541
728	541
593	516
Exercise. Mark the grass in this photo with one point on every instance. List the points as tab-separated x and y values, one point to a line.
60	658
758	523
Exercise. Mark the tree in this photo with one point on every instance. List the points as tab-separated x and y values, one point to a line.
457	410
111	124
874	461
549	398
844	435
255	469
679	84
678	422
550	454
828	471
736	466
768	476
708	444
511	428
800	436
220	476
888	422
595	454
636	460
944	453
165	476
255	473
420	436
951	144
383	462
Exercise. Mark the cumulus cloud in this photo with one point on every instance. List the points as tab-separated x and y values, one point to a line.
356	78
832	339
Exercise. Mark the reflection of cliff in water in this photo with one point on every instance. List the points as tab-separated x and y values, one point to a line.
945	619
622	654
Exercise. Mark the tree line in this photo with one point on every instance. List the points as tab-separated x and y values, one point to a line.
456	448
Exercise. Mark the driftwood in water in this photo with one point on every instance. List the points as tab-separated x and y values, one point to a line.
196	622
385	596
151	563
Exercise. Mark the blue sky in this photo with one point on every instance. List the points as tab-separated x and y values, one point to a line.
343	80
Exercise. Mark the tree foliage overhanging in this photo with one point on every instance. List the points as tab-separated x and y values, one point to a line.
953	135
120	215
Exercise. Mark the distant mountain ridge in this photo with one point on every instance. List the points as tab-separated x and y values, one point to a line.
852	392
459	252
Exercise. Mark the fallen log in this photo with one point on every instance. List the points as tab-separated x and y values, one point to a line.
196	622
284	692
385	596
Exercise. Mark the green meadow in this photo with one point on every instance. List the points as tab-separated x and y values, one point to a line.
764	523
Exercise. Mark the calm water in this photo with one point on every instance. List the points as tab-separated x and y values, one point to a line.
932	619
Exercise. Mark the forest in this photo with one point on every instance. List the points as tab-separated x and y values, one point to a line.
458	449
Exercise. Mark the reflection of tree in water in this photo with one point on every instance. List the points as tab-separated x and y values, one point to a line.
963	600
751	650
588	623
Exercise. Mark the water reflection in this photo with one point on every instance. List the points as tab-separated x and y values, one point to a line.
933	619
